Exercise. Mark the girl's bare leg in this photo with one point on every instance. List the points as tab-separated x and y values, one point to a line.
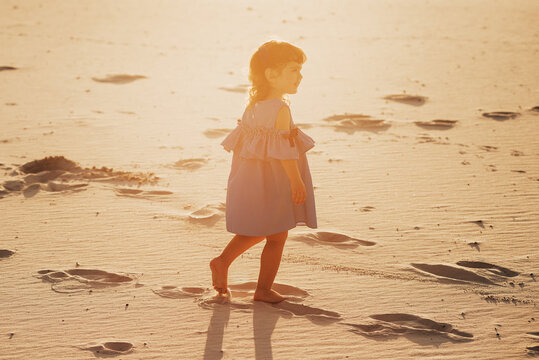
219	265
269	264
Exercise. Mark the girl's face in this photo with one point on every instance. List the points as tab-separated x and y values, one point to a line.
288	80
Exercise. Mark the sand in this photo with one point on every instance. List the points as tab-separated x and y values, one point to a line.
113	182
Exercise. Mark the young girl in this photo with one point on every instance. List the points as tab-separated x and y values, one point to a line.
269	188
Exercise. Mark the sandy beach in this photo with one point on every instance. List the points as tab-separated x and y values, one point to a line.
113	181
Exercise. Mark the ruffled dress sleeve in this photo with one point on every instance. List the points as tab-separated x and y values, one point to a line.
267	143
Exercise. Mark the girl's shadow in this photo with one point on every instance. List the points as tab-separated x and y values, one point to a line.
264	320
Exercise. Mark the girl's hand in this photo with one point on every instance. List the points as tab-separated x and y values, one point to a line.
298	191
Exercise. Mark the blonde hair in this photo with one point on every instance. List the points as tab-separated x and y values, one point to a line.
273	54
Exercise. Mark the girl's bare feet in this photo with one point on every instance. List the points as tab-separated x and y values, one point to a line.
270	296
219	275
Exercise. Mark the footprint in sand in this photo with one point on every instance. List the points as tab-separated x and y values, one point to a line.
501	115
288	307
448	273
337	240
108	348
350	123
216	133
367	208
437	124
4	253
208	215
488	148
43	176
425	138
247	289
141	194
415	100
14	185
31	191
495	269
190	164
240	297
174	292
75	280
398	324
4	68
479	223
119	78
474	245
242	88
316	315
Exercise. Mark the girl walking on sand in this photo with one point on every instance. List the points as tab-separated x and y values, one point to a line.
269	188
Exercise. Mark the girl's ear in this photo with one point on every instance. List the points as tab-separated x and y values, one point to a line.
270	74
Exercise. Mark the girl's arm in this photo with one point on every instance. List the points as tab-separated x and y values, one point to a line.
291	166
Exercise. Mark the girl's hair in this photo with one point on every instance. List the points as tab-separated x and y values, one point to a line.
272	54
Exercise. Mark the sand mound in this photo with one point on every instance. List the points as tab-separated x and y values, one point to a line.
415	100
337	240
398	324
75	280
119	78
437	124
501	115
444	272
44	171
50	163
